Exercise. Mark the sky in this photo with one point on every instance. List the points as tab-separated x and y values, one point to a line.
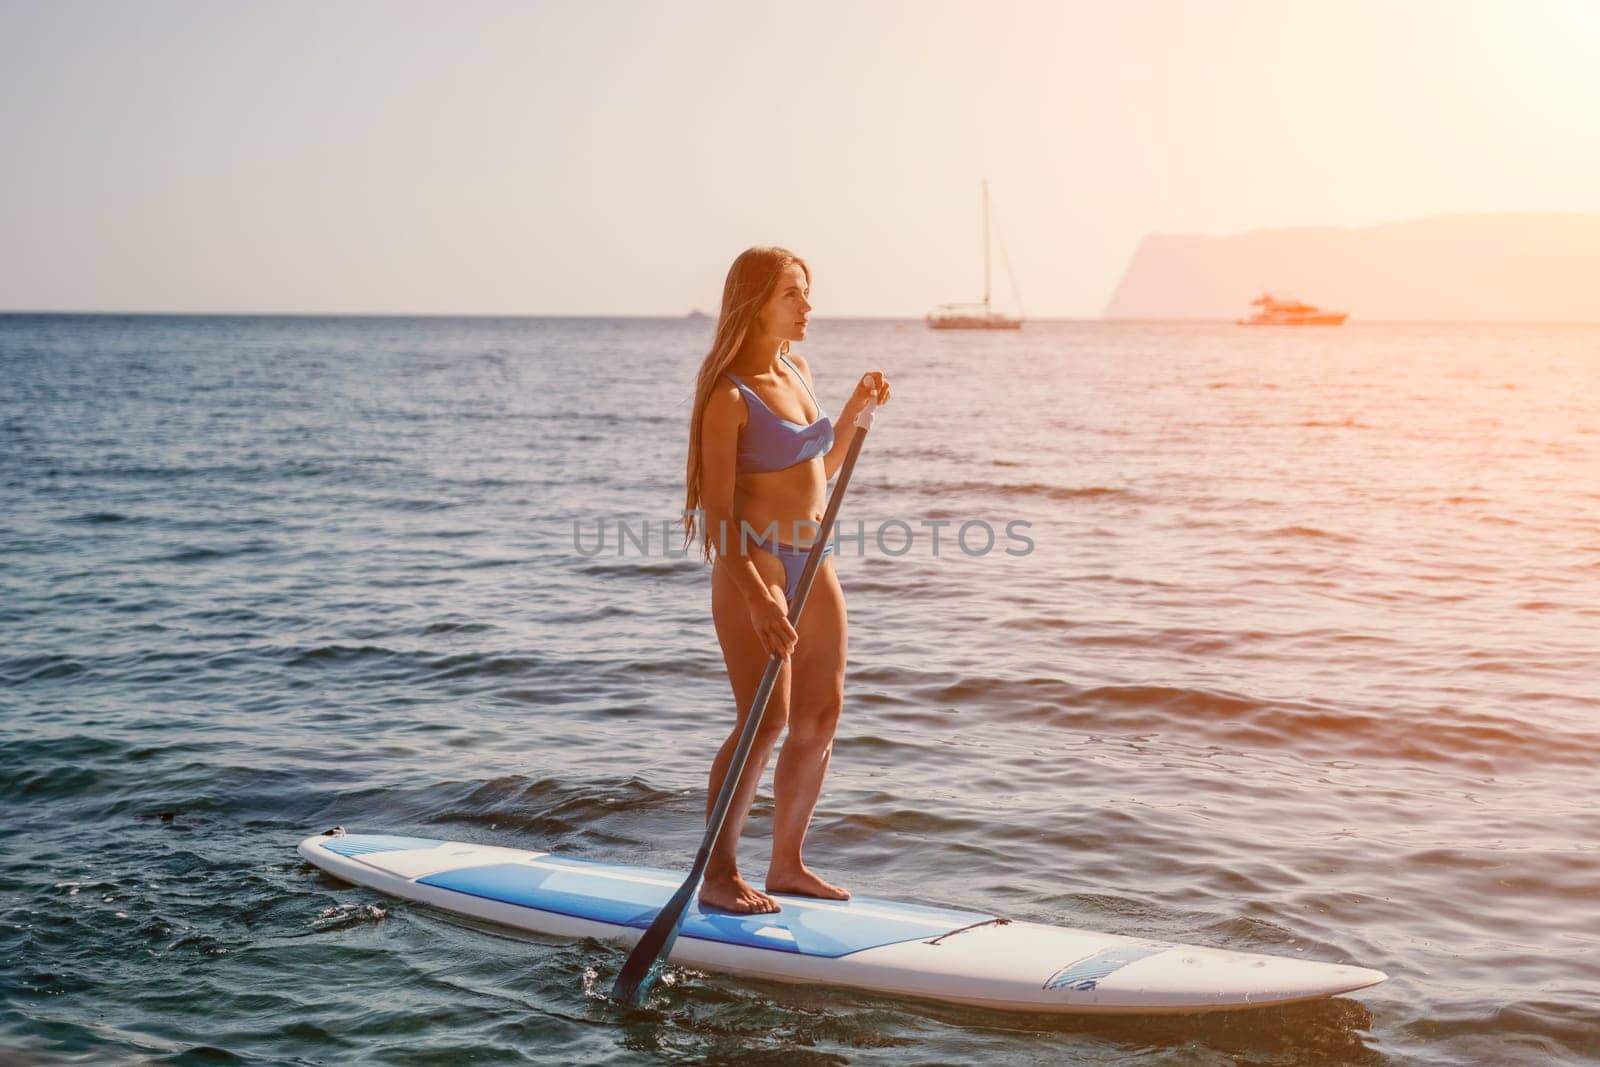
595	158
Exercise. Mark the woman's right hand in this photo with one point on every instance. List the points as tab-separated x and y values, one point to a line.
769	614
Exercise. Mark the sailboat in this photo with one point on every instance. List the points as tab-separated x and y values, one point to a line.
975	316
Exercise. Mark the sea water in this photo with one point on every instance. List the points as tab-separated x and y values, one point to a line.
1301	656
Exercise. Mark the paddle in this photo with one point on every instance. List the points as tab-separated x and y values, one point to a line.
656	944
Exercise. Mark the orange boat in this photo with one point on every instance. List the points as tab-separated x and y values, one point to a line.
1275	312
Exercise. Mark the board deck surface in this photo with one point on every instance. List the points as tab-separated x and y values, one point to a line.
955	955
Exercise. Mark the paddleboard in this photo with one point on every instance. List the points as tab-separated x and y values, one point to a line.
888	947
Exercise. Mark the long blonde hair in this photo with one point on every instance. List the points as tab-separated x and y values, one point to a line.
749	285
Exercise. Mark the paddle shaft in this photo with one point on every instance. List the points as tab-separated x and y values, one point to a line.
634	981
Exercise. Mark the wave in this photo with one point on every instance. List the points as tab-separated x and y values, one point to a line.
1348	423
208	554
101	518
1024	489
455	627
1433	737
226	473
41	668
559	814
1313	533
626	567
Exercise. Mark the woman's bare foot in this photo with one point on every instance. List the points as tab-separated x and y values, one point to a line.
733	893
803	883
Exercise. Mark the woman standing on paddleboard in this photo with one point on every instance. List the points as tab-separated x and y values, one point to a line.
760	455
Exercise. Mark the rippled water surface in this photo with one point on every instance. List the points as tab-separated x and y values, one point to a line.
1304	660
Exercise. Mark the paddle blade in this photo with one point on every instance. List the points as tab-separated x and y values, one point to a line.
639	973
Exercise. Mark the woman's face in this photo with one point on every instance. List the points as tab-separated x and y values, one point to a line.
786	310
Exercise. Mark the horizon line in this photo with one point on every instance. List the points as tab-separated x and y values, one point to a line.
693	317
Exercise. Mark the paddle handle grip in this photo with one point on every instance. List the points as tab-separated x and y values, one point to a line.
865	415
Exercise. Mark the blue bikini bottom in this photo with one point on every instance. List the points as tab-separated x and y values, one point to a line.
794	562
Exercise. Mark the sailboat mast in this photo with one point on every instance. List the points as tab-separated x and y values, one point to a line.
986	246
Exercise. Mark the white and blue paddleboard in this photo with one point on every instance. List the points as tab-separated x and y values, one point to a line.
911	950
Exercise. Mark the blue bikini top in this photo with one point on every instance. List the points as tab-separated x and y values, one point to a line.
770	443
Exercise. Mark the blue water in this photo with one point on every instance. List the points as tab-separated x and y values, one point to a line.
1303	660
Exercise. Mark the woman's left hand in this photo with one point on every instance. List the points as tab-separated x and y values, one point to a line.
872	385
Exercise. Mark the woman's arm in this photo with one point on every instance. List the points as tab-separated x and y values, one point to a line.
870	384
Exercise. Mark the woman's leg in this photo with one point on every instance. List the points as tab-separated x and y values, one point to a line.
815	699
746	661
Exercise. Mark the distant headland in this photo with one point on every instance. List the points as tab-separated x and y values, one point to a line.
1536	267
